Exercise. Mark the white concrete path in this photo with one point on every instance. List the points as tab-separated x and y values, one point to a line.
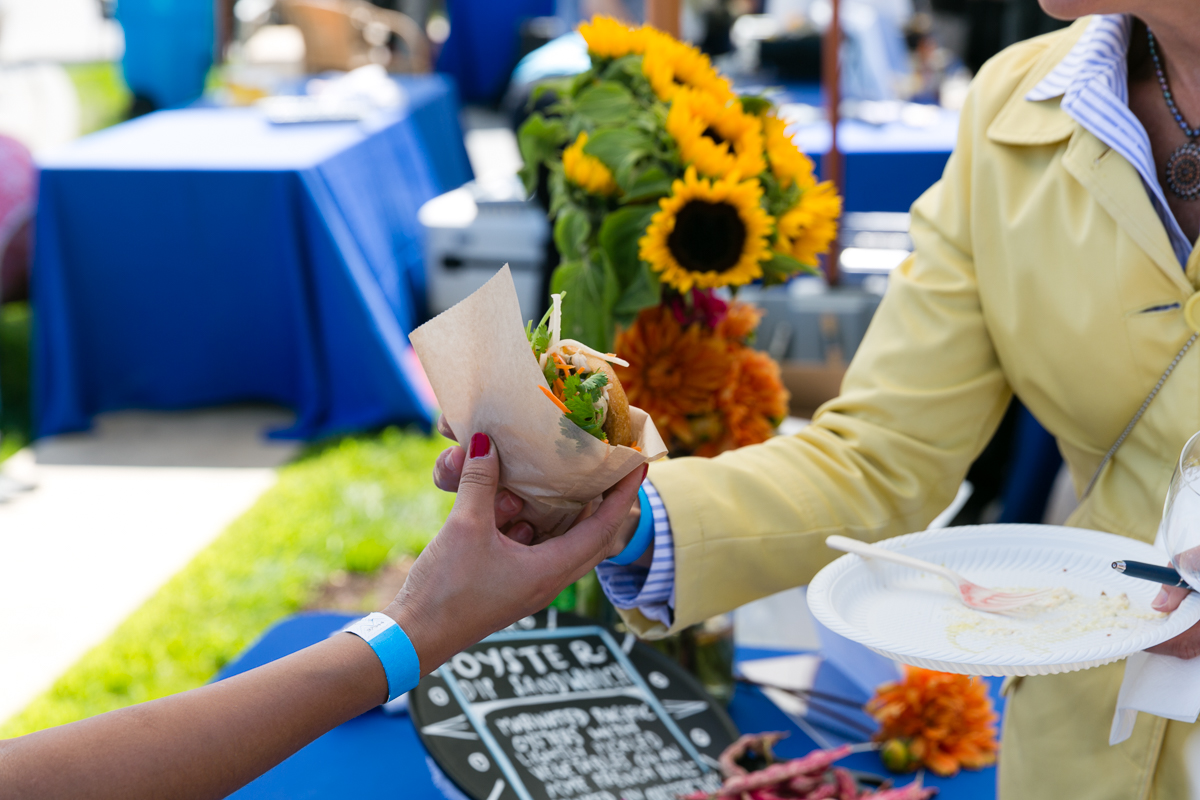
116	512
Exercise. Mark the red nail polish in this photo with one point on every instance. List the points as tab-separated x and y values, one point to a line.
645	470
481	445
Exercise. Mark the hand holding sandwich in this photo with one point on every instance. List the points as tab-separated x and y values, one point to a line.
553	405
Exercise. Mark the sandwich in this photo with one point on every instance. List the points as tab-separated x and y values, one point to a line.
581	381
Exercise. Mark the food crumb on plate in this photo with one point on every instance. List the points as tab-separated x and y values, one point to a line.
1062	615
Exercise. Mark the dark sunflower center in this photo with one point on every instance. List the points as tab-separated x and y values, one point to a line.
708	237
711	133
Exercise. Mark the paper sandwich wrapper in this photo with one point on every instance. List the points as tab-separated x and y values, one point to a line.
486	379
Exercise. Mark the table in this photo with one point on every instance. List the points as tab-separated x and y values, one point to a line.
204	256
319	770
887	166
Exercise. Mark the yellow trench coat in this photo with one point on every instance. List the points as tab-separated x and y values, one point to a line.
1040	269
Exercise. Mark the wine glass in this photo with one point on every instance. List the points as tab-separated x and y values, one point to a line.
1179	530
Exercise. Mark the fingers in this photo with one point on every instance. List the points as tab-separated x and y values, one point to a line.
1169	598
508	505
586	544
444	428
1186	645
521	533
477	485
447	470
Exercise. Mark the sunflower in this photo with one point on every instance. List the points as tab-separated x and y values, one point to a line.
946	720
807	228
717	137
587	172
787	162
674	372
609	38
707	233
671	65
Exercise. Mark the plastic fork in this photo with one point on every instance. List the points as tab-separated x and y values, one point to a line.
972	594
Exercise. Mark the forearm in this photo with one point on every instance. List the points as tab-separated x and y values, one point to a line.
203	743
470	581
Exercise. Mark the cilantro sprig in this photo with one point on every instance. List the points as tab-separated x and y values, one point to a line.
577	395
580	397
539	337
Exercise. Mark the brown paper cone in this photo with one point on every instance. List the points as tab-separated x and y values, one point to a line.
486	379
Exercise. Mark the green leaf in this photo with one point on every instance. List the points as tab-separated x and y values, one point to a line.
580	396
581	82
558	189
571	232
539	141
625	67
648	184
606	103
559	87
756	104
619	235
539	337
644	291
614	146
780	267
592	292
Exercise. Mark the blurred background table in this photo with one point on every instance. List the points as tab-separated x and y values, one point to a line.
889	162
205	256
390	760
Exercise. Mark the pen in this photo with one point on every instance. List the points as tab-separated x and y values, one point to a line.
1150	572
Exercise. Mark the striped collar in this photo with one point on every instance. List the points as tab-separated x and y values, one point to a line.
1093	81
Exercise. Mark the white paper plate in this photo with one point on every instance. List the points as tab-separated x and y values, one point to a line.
916	618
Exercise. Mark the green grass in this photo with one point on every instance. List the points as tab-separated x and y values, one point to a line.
103	96
15	420
352	504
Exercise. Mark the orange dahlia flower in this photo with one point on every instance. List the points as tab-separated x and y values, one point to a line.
948	720
755	401
706	391
739	322
674	372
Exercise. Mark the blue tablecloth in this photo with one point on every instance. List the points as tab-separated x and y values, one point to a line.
204	256
889	165
389	760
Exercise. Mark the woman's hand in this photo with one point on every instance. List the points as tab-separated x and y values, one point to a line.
473	580
207	742
447	472
1186	644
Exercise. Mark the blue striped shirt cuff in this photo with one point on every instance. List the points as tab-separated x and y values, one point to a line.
651	591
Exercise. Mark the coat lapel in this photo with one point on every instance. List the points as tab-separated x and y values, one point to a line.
1107	176
1118	188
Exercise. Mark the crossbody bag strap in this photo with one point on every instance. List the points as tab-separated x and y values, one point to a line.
1145	404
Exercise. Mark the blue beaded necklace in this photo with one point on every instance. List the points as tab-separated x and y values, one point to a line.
1183	165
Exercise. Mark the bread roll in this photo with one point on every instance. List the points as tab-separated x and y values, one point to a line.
617	425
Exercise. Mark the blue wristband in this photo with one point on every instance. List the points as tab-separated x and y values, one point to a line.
394	649
642	537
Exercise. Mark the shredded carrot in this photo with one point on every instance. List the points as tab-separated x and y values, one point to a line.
557	402
635	447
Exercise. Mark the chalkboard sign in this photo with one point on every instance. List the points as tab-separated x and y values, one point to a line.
558	708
